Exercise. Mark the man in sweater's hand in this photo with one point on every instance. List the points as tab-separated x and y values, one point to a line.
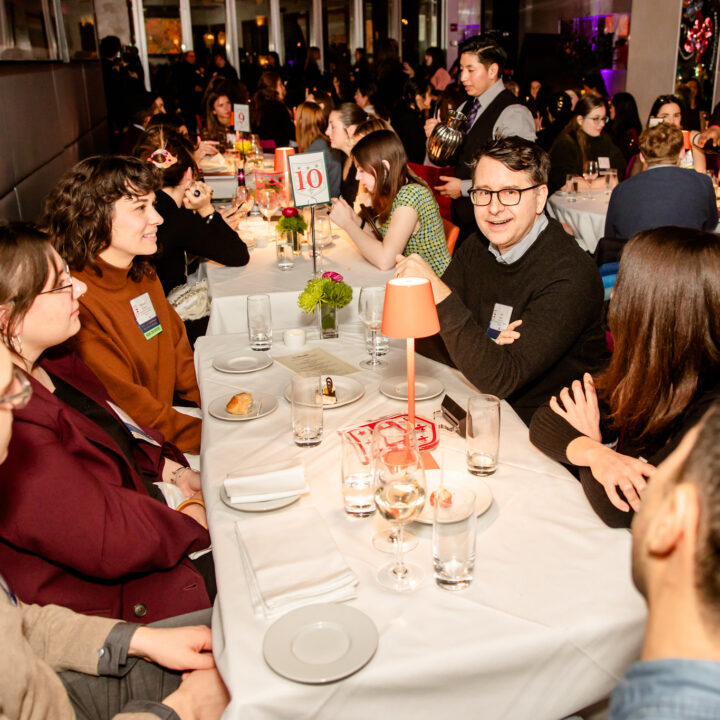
414	266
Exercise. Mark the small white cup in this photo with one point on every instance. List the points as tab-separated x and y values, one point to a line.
294	339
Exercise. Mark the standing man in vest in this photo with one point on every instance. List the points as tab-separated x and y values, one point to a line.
490	111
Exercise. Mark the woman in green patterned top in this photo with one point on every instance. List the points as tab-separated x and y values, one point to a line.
407	213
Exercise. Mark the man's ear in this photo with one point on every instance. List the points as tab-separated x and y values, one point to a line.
493	71
541	195
675	521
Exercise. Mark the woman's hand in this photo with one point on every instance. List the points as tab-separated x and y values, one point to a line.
613	470
205	147
185	478
581	409
197	513
509	335
198	197
342	214
430	124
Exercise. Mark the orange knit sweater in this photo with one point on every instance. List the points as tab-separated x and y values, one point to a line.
140	375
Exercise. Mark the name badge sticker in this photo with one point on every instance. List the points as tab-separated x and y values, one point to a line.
603	163
145	316
500	319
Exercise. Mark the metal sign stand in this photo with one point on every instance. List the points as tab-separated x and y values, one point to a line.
312	239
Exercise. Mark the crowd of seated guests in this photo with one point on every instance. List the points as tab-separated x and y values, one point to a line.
101	512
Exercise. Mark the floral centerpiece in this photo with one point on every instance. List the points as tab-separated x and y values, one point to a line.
291	223
331	294
243	148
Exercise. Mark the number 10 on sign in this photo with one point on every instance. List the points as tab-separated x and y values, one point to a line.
308	177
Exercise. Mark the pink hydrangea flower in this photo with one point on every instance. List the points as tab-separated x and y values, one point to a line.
335	277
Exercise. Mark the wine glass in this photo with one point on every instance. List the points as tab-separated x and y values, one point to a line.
240	202
399	482
370	308
590	170
269	202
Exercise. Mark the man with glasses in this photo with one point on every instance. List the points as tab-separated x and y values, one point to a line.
520	318
491	111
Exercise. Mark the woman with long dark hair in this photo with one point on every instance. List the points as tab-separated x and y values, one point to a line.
669	109
269	115
625	126
583	139
102	220
218	119
664	372
407	213
341	126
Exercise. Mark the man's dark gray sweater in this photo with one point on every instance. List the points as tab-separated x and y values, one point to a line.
554	288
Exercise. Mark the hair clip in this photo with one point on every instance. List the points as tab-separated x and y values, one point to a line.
162	158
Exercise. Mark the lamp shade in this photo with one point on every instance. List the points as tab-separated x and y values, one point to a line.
281	156
409	310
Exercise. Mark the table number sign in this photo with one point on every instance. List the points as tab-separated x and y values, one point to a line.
242	117
308	177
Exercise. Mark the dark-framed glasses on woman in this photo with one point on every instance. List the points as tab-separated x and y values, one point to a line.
17	393
61	288
506	196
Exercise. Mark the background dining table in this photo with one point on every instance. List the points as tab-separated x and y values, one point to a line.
585	215
548	626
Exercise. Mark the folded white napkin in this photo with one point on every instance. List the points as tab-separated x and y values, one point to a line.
291	560
270	482
213	161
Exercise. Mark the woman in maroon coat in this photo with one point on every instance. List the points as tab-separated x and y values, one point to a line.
81	522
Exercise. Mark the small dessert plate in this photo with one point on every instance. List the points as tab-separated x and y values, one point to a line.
237	364
262	405
425	387
347	390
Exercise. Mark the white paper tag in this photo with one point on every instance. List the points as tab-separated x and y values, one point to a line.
242	117
135	430
604	163
308	176
500	319
145	315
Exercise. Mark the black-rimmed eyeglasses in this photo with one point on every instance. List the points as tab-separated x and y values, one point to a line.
20	392
61	288
506	196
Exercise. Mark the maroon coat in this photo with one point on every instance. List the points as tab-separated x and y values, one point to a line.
77	526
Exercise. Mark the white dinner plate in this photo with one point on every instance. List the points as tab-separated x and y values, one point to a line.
457	478
262	506
262	405
234	362
319	644
347	390
425	387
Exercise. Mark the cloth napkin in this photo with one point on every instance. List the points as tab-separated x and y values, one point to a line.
291	560
267	483
214	162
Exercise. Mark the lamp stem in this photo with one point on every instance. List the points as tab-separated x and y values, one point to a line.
411	380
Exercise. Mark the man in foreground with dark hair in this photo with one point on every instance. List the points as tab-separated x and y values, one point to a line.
491	111
520	318
676	566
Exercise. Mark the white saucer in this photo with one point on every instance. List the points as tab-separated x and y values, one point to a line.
262	506
265	404
347	390
319	644
233	362
457	478
425	387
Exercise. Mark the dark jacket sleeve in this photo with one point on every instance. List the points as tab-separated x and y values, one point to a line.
565	159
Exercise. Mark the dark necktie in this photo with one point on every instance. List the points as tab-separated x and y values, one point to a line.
472	115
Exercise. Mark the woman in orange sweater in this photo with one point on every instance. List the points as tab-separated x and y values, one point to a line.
101	219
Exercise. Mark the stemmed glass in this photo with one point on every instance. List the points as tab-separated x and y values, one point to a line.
399	482
590	170
269	202
370	307
240	203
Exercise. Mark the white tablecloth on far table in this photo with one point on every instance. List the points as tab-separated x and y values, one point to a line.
229	286
586	216
548	626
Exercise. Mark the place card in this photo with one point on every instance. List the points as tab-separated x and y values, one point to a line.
317	361
308	177
241	117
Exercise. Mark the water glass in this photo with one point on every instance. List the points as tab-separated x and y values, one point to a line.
453	537
357	476
482	439
307	409
376	343
611	180
285	258
571	183
259	322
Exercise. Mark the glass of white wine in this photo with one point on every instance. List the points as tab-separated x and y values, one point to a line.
399	482
590	171
370	308
269	202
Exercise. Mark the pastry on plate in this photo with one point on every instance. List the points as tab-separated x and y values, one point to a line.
240	404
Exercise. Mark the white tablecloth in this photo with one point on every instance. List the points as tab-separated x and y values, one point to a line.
586	216
228	286
548	626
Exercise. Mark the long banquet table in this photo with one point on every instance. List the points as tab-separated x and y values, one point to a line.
548	626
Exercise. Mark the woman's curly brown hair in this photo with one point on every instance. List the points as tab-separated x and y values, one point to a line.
79	210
